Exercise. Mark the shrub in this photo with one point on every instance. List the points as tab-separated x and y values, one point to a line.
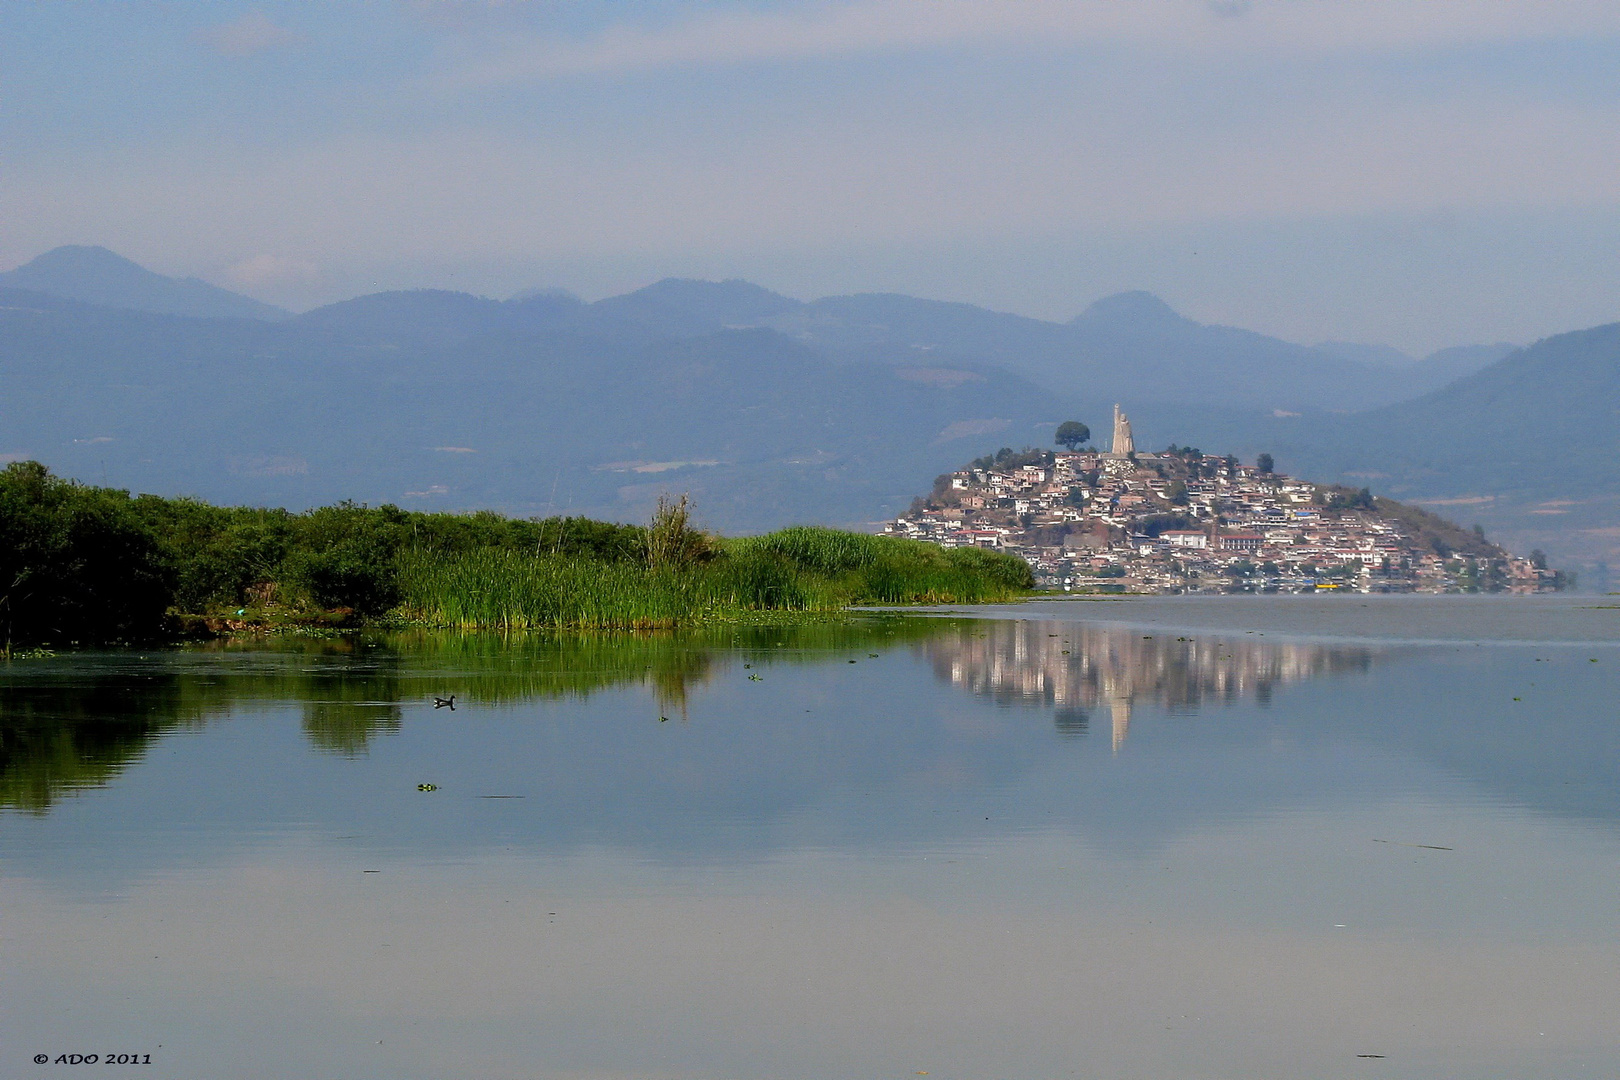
76	563
671	541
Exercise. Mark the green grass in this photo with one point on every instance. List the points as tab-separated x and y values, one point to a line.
510	590
81	565
863	569
800	569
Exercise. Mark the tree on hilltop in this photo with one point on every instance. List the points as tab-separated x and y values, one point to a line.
1265	465
1071	433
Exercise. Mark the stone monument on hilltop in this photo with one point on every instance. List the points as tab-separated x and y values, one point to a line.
1123	446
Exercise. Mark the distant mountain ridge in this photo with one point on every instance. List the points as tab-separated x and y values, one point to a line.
1432	371
1131	345
1529	447
515	406
95	275
1128	346
767	408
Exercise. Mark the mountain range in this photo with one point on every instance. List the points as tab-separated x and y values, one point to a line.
98	276
766	408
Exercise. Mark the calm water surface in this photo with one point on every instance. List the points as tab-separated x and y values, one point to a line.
1174	837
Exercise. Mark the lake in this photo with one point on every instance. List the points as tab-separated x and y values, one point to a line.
1341	836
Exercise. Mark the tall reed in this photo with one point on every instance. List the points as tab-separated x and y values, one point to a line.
512	590
801	569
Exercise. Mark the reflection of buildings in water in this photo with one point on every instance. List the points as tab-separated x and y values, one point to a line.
1120	709
1079	668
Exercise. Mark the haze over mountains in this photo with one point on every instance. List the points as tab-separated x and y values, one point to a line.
768	409
98	276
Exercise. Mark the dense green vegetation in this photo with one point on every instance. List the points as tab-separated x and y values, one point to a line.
80	564
1007	459
797	569
76	563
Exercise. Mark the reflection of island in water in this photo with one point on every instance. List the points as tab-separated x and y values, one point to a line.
74	722
1080	668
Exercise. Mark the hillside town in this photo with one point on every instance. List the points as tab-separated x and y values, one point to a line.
1182	521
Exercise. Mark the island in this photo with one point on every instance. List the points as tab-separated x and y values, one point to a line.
1180	520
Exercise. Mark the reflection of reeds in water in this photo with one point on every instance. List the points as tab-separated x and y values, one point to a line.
1079	668
80	728
346	728
75	722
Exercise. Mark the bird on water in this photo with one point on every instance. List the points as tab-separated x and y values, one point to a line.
445	702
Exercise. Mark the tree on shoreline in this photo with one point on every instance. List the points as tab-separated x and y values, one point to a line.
77	565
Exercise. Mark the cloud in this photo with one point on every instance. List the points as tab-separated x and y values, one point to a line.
252	33
262	270
895	178
819	30
269	465
1013	131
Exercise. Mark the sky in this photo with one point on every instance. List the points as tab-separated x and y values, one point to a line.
1418	173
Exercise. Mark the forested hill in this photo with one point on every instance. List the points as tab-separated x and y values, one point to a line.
1530	447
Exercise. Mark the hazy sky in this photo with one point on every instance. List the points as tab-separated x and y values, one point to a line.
1416	172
